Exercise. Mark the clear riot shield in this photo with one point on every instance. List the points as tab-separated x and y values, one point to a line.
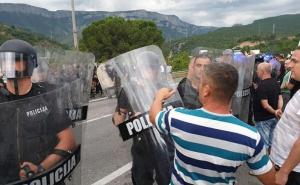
136	76
202	56
241	99
188	86
40	132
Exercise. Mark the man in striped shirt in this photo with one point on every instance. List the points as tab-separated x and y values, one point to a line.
210	142
286	151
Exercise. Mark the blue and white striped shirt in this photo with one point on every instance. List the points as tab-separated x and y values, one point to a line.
210	147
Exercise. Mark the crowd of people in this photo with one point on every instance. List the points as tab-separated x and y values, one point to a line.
209	139
211	143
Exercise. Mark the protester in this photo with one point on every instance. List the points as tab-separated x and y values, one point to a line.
267	103
281	60
285	91
210	143
285	152
276	66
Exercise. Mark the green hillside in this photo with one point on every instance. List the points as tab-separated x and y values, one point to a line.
11	32
58	24
260	30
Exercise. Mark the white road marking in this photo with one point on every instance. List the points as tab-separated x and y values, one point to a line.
114	174
97	118
119	171
98	99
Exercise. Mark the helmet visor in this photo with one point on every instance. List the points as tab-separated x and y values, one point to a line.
16	65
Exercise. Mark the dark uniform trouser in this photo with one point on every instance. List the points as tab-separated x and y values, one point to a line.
148	158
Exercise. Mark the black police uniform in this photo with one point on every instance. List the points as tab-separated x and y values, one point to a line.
188	94
147	156
28	129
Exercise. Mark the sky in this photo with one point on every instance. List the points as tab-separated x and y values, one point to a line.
218	13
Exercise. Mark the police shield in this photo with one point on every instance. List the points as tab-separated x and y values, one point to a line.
134	78
41	126
201	56
188	86
244	65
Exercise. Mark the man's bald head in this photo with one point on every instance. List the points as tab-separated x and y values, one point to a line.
265	67
264	70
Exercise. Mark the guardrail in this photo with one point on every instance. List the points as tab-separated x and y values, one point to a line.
179	74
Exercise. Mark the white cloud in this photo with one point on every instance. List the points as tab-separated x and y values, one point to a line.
199	12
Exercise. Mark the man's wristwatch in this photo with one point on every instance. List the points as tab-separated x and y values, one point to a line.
40	169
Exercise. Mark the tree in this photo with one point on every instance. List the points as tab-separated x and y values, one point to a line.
112	36
180	61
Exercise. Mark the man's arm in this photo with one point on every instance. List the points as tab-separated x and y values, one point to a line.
278	112
66	142
280	102
122	109
290	163
157	104
260	164
267	178
265	104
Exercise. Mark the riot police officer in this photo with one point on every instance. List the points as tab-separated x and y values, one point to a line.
39	135
188	86
146	148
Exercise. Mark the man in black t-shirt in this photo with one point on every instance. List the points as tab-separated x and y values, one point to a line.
35	133
267	103
189	94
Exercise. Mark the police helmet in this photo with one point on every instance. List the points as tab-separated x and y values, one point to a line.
268	57
148	61
17	59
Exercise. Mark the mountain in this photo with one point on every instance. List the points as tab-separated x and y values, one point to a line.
11	32
58	24
259	30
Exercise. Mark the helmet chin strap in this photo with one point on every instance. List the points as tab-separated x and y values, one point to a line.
16	86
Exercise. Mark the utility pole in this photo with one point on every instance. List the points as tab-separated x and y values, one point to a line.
74	26
186	32
273	29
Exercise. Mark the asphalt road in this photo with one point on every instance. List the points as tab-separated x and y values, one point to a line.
104	152
103	149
